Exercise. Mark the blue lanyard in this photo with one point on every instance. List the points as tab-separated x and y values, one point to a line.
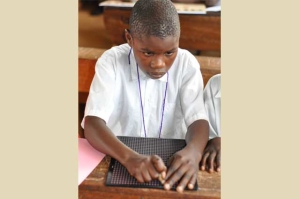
163	105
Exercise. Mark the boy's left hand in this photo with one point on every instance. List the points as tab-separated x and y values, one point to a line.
183	165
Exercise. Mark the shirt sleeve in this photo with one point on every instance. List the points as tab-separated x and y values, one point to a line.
191	93
100	101
210	91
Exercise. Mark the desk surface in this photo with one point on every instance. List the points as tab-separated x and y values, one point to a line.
94	187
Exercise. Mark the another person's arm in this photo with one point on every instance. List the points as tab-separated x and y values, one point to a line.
211	159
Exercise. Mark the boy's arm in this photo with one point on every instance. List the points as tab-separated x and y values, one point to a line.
143	168
185	163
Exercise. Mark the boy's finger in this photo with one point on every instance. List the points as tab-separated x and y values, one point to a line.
146	176
139	177
172	168
170	160
192	181
158	163
163	174
153	172
184	181
162	177
180	173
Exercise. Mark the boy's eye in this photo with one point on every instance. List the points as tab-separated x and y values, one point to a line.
148	53
169	53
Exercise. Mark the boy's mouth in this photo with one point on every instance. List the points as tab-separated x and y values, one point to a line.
156	75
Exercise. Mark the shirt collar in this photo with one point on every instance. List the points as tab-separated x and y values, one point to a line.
134	75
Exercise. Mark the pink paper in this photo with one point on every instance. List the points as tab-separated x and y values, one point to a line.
88	159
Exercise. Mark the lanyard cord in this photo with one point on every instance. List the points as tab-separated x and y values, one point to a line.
163	105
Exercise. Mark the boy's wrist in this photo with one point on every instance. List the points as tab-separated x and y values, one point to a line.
195	151
128	154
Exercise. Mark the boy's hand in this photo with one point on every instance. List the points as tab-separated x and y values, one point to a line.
184	165
145	168
211	159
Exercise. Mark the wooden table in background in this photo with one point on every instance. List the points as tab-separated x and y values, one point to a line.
93	187
201	32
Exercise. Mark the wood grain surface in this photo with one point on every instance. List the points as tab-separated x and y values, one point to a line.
94	187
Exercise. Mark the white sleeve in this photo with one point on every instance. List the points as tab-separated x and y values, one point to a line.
100	101
191	93
212	105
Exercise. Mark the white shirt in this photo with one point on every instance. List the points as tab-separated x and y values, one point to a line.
114	95
212	101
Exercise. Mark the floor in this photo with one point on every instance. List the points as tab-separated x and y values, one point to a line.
92	31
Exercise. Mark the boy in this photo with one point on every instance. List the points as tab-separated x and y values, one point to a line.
211	160
151	88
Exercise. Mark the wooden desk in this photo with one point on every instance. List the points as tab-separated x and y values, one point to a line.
201	32
94	187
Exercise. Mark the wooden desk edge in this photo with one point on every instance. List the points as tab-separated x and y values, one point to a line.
94	185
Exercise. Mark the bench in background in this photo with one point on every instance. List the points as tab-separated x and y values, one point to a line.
199	32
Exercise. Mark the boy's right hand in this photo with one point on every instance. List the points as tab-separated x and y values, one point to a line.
145	168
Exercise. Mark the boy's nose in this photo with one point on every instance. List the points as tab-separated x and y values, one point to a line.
157	63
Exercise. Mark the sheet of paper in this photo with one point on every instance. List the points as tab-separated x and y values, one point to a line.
117	4
88	159
213	9
182	8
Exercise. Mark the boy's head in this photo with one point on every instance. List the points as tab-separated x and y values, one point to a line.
154	35
157	18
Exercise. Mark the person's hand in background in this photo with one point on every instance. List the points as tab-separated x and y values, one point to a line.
211	159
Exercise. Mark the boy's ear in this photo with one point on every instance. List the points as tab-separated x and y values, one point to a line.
128	37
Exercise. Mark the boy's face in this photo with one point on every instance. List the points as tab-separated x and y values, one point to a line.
154	55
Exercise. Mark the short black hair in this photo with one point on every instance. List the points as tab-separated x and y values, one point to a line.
157	18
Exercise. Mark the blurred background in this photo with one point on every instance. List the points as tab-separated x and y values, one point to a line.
93	32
